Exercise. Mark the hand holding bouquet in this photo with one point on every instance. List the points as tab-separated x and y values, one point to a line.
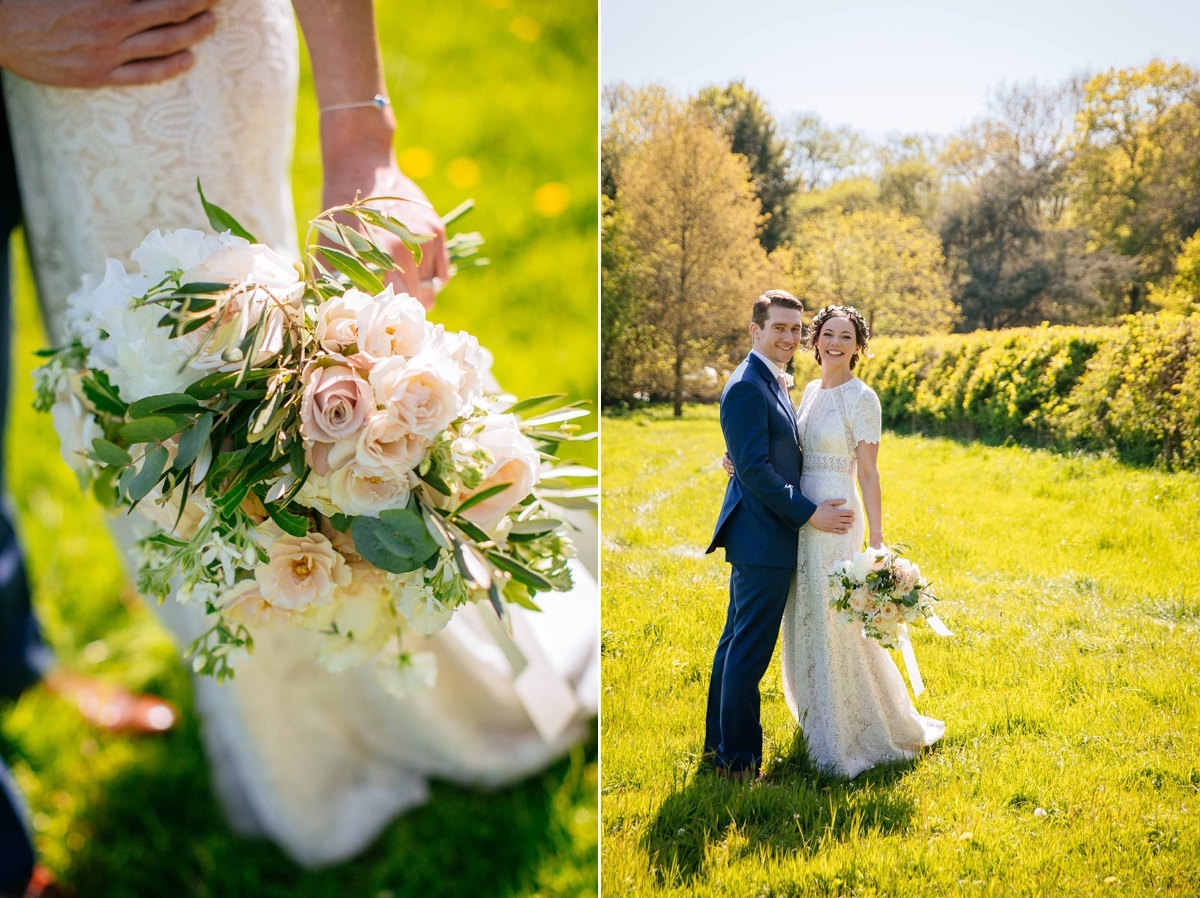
313	451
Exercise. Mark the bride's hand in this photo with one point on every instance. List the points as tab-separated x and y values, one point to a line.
876	540
727	464
355	168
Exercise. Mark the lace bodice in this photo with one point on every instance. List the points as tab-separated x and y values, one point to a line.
833	421
101	168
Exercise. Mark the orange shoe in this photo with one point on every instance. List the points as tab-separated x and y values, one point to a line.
112	707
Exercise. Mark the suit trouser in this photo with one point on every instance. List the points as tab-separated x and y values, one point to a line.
757	596
23	655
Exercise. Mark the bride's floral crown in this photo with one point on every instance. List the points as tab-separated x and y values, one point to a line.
862	330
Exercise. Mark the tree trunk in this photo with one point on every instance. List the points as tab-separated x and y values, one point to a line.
678	385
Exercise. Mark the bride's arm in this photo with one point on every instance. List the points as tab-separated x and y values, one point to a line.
356	143
868	481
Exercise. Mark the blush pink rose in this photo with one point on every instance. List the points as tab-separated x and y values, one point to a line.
336	403
420	393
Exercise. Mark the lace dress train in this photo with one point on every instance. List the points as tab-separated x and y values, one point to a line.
844	689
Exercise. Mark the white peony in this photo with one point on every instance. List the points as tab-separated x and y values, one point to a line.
514	461
860	567
175	252
420	393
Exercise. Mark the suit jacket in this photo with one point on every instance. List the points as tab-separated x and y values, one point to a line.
763	510
10	200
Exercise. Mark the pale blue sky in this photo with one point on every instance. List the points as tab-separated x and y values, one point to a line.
880	66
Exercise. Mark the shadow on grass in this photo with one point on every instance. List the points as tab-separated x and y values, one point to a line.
155	829
800	810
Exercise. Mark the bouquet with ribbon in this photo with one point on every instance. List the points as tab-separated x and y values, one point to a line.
312	451
884	593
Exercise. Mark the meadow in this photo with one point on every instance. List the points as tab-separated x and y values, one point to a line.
496	101
1069	688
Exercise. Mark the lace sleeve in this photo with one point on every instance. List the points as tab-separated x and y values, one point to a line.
867	420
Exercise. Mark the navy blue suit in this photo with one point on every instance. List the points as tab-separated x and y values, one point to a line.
20	639
758	526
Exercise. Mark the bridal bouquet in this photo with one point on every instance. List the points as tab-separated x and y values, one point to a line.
881	590
885	593
312	451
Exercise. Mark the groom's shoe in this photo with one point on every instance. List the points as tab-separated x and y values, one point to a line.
112	707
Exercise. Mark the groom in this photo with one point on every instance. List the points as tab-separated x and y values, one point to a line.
760	519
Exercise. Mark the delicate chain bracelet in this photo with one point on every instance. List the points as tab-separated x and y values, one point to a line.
379	101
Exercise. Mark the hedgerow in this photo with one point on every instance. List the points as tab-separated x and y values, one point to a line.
1132	389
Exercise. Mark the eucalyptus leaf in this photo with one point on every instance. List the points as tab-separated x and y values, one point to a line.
341	522
192	440
396	541
152	429
152	468
358	273
111	453
294	524
151	404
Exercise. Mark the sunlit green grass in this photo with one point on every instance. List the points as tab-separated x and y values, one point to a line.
125	817
1070	685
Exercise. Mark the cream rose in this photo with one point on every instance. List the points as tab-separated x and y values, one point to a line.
421	393
889	611
302	571
337	319
384	444
907	574
858	600
244	604
362	618
475	363
514	461
358	490
336	402
391	325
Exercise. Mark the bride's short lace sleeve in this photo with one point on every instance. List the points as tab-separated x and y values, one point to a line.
866	421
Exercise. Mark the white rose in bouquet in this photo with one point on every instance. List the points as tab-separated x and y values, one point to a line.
420	393
907	575
337	319
514	461
359	490
474	362
385	445
391	325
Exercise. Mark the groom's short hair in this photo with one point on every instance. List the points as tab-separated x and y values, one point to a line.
781	298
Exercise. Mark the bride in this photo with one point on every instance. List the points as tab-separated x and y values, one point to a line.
843	688
318	761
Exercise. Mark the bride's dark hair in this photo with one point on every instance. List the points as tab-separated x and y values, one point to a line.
862	333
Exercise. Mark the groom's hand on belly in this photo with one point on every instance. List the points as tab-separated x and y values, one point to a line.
101	43
831	518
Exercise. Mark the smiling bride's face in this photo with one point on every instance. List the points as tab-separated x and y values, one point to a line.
837	344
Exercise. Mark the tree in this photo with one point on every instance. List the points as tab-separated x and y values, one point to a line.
692	221
628	352
1013	254
1137	165
1182	294
910	179
822	155
885	264
746	121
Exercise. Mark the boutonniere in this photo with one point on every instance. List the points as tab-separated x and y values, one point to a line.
788	380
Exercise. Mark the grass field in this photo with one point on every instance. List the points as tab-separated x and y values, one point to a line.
490	107
1070	685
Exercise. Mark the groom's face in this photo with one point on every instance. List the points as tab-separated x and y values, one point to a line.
779	338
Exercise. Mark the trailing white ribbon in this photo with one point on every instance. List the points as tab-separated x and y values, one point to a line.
910	657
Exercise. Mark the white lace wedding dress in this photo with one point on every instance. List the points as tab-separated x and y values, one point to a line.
844	689
320	762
